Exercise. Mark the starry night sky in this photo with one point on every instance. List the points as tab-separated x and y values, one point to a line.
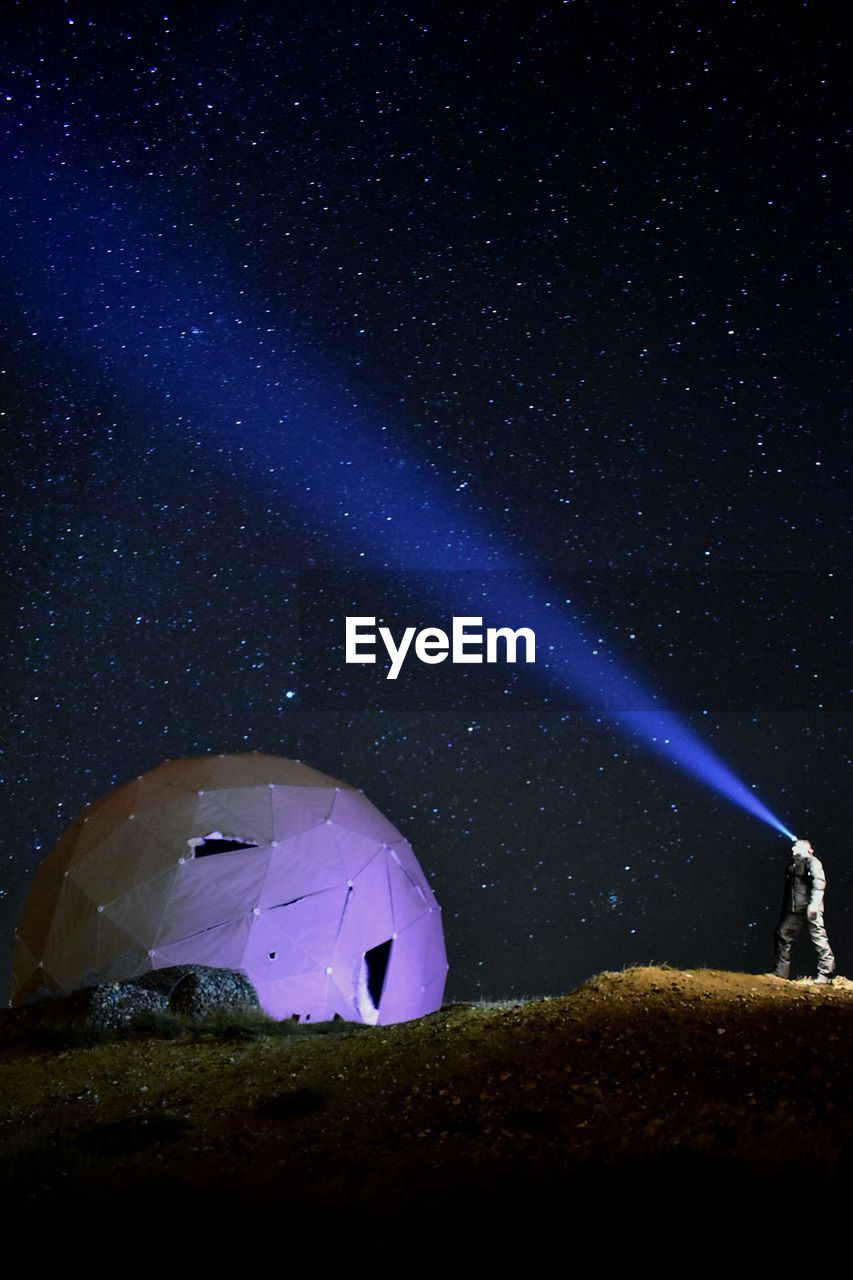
321	304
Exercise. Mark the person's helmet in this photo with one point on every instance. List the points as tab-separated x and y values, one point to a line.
801	848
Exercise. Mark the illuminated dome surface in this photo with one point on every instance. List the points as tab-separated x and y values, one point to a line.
248	862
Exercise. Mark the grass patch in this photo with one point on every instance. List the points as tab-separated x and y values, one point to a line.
253	1024
486	1006
77	1035
32	1029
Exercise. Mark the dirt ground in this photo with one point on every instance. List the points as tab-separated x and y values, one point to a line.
645	1079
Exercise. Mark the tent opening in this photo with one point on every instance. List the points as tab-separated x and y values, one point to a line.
216	842
376	964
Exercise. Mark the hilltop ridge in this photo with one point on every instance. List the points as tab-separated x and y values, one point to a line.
696	1074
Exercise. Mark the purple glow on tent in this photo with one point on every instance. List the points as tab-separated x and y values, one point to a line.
208	354
246	862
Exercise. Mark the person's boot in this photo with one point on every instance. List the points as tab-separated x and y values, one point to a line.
824	979
782	970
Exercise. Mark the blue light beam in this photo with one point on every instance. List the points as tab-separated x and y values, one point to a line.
159	317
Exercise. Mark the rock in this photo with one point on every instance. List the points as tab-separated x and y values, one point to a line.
188	991
114	1006
195	990
109	1007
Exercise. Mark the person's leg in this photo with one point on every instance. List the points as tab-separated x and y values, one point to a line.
787	930
825	958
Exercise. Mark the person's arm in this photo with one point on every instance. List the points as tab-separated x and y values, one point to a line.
818	879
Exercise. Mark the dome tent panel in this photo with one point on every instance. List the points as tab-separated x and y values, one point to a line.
173	825
423	944
303	997
151	794
343	995
274	953
141	912
433	993
222	947
259	770
403	854
314	921
278	771
417	956
71	946
300	809
243	813
39	909
118	956
100	820
368	919
209	891
402	997
355	812
354	849
121	800
124	856
408	900
230	773
307	863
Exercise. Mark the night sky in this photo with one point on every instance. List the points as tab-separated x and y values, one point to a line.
323	308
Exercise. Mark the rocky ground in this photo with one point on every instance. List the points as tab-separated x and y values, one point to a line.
651	1086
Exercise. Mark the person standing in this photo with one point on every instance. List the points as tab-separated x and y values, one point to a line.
805	887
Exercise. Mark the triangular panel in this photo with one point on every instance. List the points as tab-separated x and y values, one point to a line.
312	923
356	850
271	954
223	947
208	891
117	955
299	809
358	814
408	900
244	812
141	912
119	861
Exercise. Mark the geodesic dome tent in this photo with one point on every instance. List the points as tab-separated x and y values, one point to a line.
247	862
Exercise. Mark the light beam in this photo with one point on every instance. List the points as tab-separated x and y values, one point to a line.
86	266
